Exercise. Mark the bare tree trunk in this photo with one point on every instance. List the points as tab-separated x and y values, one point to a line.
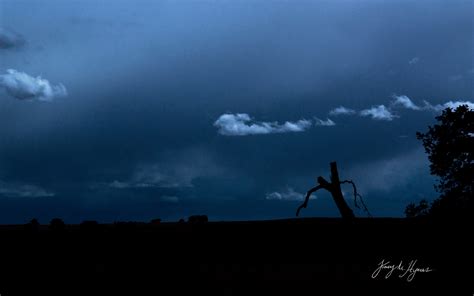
336	193
335	189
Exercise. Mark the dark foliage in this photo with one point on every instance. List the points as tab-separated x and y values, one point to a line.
450	145
417	210
57	224
155	221
33	225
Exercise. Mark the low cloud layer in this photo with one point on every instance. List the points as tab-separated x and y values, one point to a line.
169	198
10	40
289	194
25	87
407	103
176	170
23	190
379	112
241	124
385	175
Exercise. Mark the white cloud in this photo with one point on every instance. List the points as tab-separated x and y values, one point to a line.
10	40
23	190
414	61
449	104
405	102
378	113
454	105
288	194
25	87
327	122
240	124
342	111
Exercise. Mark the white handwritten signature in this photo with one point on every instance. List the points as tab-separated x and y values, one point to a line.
408	272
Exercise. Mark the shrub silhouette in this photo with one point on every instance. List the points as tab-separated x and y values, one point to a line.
57	224
155	221
33	225
450	145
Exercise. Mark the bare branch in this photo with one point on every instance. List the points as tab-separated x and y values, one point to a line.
308	194
357	195
324	184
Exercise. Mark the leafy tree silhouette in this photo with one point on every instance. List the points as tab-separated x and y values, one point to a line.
417	211
450	146
57	224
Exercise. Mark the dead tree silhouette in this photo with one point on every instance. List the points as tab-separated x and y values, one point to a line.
334	187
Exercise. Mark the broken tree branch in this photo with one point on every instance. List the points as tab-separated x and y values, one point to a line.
308	194
334	187
357	195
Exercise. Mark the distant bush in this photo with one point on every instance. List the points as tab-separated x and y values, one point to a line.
57	224
155	221
33	225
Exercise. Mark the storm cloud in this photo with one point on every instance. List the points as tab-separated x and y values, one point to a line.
10	39
221	104
20	190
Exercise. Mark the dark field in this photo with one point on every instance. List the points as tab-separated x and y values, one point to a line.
289	257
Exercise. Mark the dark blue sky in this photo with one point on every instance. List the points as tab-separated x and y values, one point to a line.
132	110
